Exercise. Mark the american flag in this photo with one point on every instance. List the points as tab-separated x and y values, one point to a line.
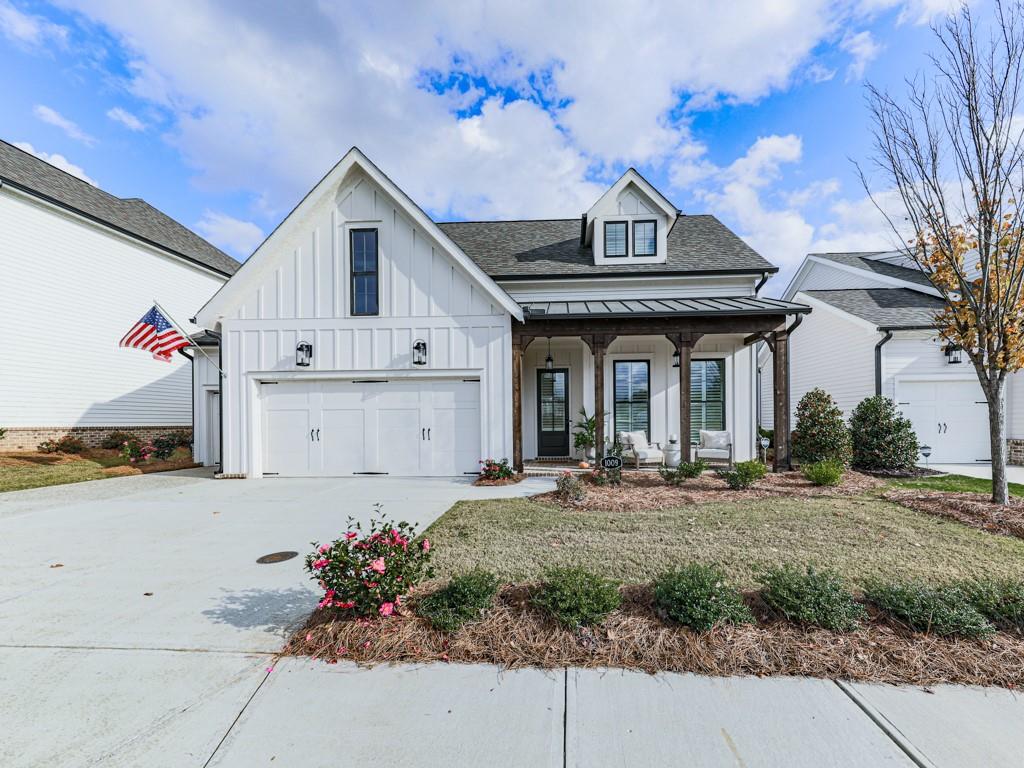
155	333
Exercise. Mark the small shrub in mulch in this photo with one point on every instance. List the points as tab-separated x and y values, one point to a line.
698	597
811	597
743	475
570	489
66	444
494	470
575	597
114	440
820	433
1001	601
973	509
945	610
513	634
823	472
463	599
883	439
687	470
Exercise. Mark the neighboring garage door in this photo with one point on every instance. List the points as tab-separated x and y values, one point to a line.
950	416
395	427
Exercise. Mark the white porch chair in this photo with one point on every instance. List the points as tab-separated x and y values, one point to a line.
715	446
636	448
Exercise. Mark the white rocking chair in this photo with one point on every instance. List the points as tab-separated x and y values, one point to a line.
636	448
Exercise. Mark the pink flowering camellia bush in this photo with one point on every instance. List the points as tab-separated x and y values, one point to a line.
369	573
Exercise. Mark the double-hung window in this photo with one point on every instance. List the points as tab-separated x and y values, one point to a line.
707	397
364	272
615	238
645	238
632	396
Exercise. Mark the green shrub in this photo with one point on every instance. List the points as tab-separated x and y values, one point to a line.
575	597
697	596
743	475
824	472
687	470
116	439
181	437
491	469
814	597
1001	601
944	610
48	446
570	488
164	446
463	599
66	444
821	432
3	433
883	440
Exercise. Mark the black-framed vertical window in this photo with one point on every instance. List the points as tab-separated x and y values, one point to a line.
615	233
364	272
707	396
632	396
645	238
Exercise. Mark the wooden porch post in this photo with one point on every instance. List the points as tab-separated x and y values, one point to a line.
517	403
685	418
780	382
598	344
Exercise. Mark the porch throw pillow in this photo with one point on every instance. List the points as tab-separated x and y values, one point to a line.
714	439
634	440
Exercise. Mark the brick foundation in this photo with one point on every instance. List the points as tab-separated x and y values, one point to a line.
1016	451
29	438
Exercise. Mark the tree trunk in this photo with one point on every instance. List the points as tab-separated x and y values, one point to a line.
997	435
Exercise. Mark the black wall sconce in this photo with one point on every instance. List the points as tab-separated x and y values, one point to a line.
303	354
954	354
675	359
419	352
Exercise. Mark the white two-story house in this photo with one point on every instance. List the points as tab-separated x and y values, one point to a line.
363	338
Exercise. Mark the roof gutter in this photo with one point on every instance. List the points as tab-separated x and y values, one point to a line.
878	360
761	282
637	274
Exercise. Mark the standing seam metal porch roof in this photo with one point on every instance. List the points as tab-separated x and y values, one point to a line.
693	307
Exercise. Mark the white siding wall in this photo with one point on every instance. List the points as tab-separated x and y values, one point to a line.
71	290
916	353
302	294
822	277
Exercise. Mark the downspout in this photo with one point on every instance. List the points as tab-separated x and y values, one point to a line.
761	282
878	361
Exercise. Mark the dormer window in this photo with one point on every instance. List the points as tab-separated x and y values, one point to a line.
615	238
645	238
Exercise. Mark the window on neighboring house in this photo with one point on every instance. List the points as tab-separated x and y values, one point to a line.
707	396
632	396
645	241
364	272
615	238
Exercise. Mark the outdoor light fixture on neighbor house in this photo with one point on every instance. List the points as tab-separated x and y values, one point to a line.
953	354
675	359
419	352
303	354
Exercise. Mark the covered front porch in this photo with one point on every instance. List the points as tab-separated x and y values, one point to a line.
667	367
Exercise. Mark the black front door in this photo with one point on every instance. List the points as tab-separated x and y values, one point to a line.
553	412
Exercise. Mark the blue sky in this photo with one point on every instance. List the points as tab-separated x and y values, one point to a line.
224	114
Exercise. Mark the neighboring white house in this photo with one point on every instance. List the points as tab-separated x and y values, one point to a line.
363	338
78	268
873	332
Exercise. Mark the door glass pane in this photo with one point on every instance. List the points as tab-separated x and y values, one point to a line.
632	396
707	396
552	401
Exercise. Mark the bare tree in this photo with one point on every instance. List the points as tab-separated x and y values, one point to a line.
952	149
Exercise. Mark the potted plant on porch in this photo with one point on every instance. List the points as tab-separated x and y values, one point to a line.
585	437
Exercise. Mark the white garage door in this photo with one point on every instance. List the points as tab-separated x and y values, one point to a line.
950	416
397	427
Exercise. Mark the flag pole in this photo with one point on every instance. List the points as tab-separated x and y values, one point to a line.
187	335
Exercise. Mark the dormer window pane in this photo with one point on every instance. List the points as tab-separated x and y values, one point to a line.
645	241
615	238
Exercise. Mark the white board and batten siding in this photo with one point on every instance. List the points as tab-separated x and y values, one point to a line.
300	291
72	289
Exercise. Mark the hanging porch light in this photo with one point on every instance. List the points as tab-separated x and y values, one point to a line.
549	361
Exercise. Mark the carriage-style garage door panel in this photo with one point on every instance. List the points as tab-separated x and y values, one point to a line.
950	416
331	428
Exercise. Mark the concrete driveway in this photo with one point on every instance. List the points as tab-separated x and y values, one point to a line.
1014	474
151	645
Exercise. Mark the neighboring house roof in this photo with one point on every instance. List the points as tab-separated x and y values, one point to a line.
130	216
860	260
733	305
887	308
550	248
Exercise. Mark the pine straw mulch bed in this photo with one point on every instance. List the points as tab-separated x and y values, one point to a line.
483	482
646	491
513	634
973	509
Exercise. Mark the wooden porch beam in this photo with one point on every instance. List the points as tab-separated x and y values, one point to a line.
780	385
593	326
684	344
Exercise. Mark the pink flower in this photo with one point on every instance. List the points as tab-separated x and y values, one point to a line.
323	562
324	548
378	565
371	584
348	604
426	545
350	535
386	609
328	599
342	650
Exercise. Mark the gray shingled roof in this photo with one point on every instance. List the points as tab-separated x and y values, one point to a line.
885	307
551	248
859	259
718	305
130	215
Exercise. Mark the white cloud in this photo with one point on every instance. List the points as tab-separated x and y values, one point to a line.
126	118
57	161
52	117
29	30
862	49
232	235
